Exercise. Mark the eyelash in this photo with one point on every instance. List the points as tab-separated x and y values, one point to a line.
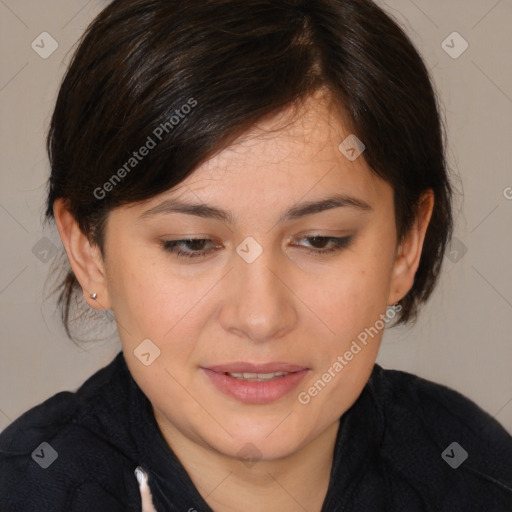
171	246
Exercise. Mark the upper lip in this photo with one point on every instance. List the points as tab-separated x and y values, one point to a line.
243	367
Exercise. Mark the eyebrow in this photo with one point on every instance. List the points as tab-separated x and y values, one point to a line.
296	212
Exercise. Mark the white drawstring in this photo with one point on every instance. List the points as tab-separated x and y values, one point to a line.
145	492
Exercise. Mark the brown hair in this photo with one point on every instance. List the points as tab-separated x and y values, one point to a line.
141	61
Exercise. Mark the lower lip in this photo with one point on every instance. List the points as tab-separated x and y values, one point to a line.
253	392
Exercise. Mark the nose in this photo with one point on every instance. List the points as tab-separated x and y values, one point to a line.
261	304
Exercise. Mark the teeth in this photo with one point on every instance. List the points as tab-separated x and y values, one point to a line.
258	377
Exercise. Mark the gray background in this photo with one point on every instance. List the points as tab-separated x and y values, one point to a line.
463	336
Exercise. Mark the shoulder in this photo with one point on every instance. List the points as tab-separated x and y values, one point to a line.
436	437
439	408
52	451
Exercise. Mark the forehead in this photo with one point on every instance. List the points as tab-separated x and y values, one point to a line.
296	135
293	153
289	158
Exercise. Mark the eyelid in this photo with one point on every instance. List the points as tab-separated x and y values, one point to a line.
337	245
326	233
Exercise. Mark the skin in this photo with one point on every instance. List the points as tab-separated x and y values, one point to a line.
285	306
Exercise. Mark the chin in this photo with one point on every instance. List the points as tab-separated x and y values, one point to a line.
260	442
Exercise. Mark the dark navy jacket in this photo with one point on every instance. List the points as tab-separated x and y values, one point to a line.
406	445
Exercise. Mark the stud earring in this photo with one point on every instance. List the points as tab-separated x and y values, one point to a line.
93	295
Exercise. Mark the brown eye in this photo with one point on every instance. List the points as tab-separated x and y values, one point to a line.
195	250
337	244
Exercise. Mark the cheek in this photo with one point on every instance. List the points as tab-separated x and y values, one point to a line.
353	294
154	303
146	301
351	306
340	298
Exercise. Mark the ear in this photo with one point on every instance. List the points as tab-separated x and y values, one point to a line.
84	257
408	254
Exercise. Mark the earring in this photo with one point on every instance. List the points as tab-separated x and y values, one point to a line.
93	295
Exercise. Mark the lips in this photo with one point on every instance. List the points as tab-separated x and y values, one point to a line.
255	390
243	367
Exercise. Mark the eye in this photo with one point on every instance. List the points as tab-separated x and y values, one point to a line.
196	246
337	244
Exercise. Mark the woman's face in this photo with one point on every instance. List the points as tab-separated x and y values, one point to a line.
264	293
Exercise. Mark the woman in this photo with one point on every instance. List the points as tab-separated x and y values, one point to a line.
256	190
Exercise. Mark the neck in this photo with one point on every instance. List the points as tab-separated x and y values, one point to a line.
296	482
